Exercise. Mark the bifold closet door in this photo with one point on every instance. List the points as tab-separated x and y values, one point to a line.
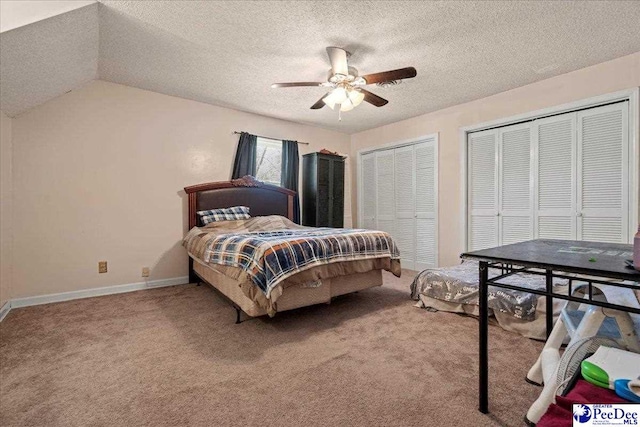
603	174
368	178
405	204
556	170
385	192
426	205
515	196
561	177
399	196
482	190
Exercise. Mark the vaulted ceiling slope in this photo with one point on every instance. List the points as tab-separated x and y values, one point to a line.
47	58
18	13
228	53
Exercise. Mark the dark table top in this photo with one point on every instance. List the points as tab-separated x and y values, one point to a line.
572	256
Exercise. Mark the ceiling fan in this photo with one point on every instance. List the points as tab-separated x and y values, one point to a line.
347	86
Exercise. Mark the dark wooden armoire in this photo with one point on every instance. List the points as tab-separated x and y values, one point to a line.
323	190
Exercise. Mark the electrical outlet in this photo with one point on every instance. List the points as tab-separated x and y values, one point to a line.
102	266
145	271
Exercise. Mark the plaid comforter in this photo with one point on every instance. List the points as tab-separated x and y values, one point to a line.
269	257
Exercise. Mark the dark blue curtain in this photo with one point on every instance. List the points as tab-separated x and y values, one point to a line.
289	173
245	161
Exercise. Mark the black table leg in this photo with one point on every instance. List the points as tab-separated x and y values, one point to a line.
483	392
549	301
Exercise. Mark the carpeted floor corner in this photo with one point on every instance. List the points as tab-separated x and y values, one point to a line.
173	356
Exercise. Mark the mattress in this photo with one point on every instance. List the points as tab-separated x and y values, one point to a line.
455	289
271	249
459	285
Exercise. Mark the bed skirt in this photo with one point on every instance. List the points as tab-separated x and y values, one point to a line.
295	296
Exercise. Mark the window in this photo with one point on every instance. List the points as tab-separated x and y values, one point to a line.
269	161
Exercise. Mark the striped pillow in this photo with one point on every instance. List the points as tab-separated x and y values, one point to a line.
226	214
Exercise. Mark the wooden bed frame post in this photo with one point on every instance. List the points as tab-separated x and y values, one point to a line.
192	210
193	278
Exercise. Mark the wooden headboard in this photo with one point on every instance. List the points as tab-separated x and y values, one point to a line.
262	199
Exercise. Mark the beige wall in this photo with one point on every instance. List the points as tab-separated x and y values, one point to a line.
608	77
6	184
98	175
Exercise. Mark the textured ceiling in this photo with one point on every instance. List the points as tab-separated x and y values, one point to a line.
17	13
48	58
228	53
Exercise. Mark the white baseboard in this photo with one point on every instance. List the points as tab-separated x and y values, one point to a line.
96	292
6	308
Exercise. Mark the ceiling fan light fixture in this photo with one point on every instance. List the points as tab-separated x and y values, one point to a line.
347	105
346	86
356	97
328	102
340	95
336	96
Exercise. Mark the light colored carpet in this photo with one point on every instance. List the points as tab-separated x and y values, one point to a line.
173	356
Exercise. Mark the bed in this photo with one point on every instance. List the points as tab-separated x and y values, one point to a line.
231	271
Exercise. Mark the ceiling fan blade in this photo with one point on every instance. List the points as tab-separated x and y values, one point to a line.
374	99
318	105
388	76
338	59
297	84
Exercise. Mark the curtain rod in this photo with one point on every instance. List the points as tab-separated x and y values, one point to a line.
273	139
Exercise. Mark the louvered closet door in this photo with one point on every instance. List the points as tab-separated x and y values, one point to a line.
603	174
482	190
405	235
555	173
368	178
385	200
515	197
426	206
